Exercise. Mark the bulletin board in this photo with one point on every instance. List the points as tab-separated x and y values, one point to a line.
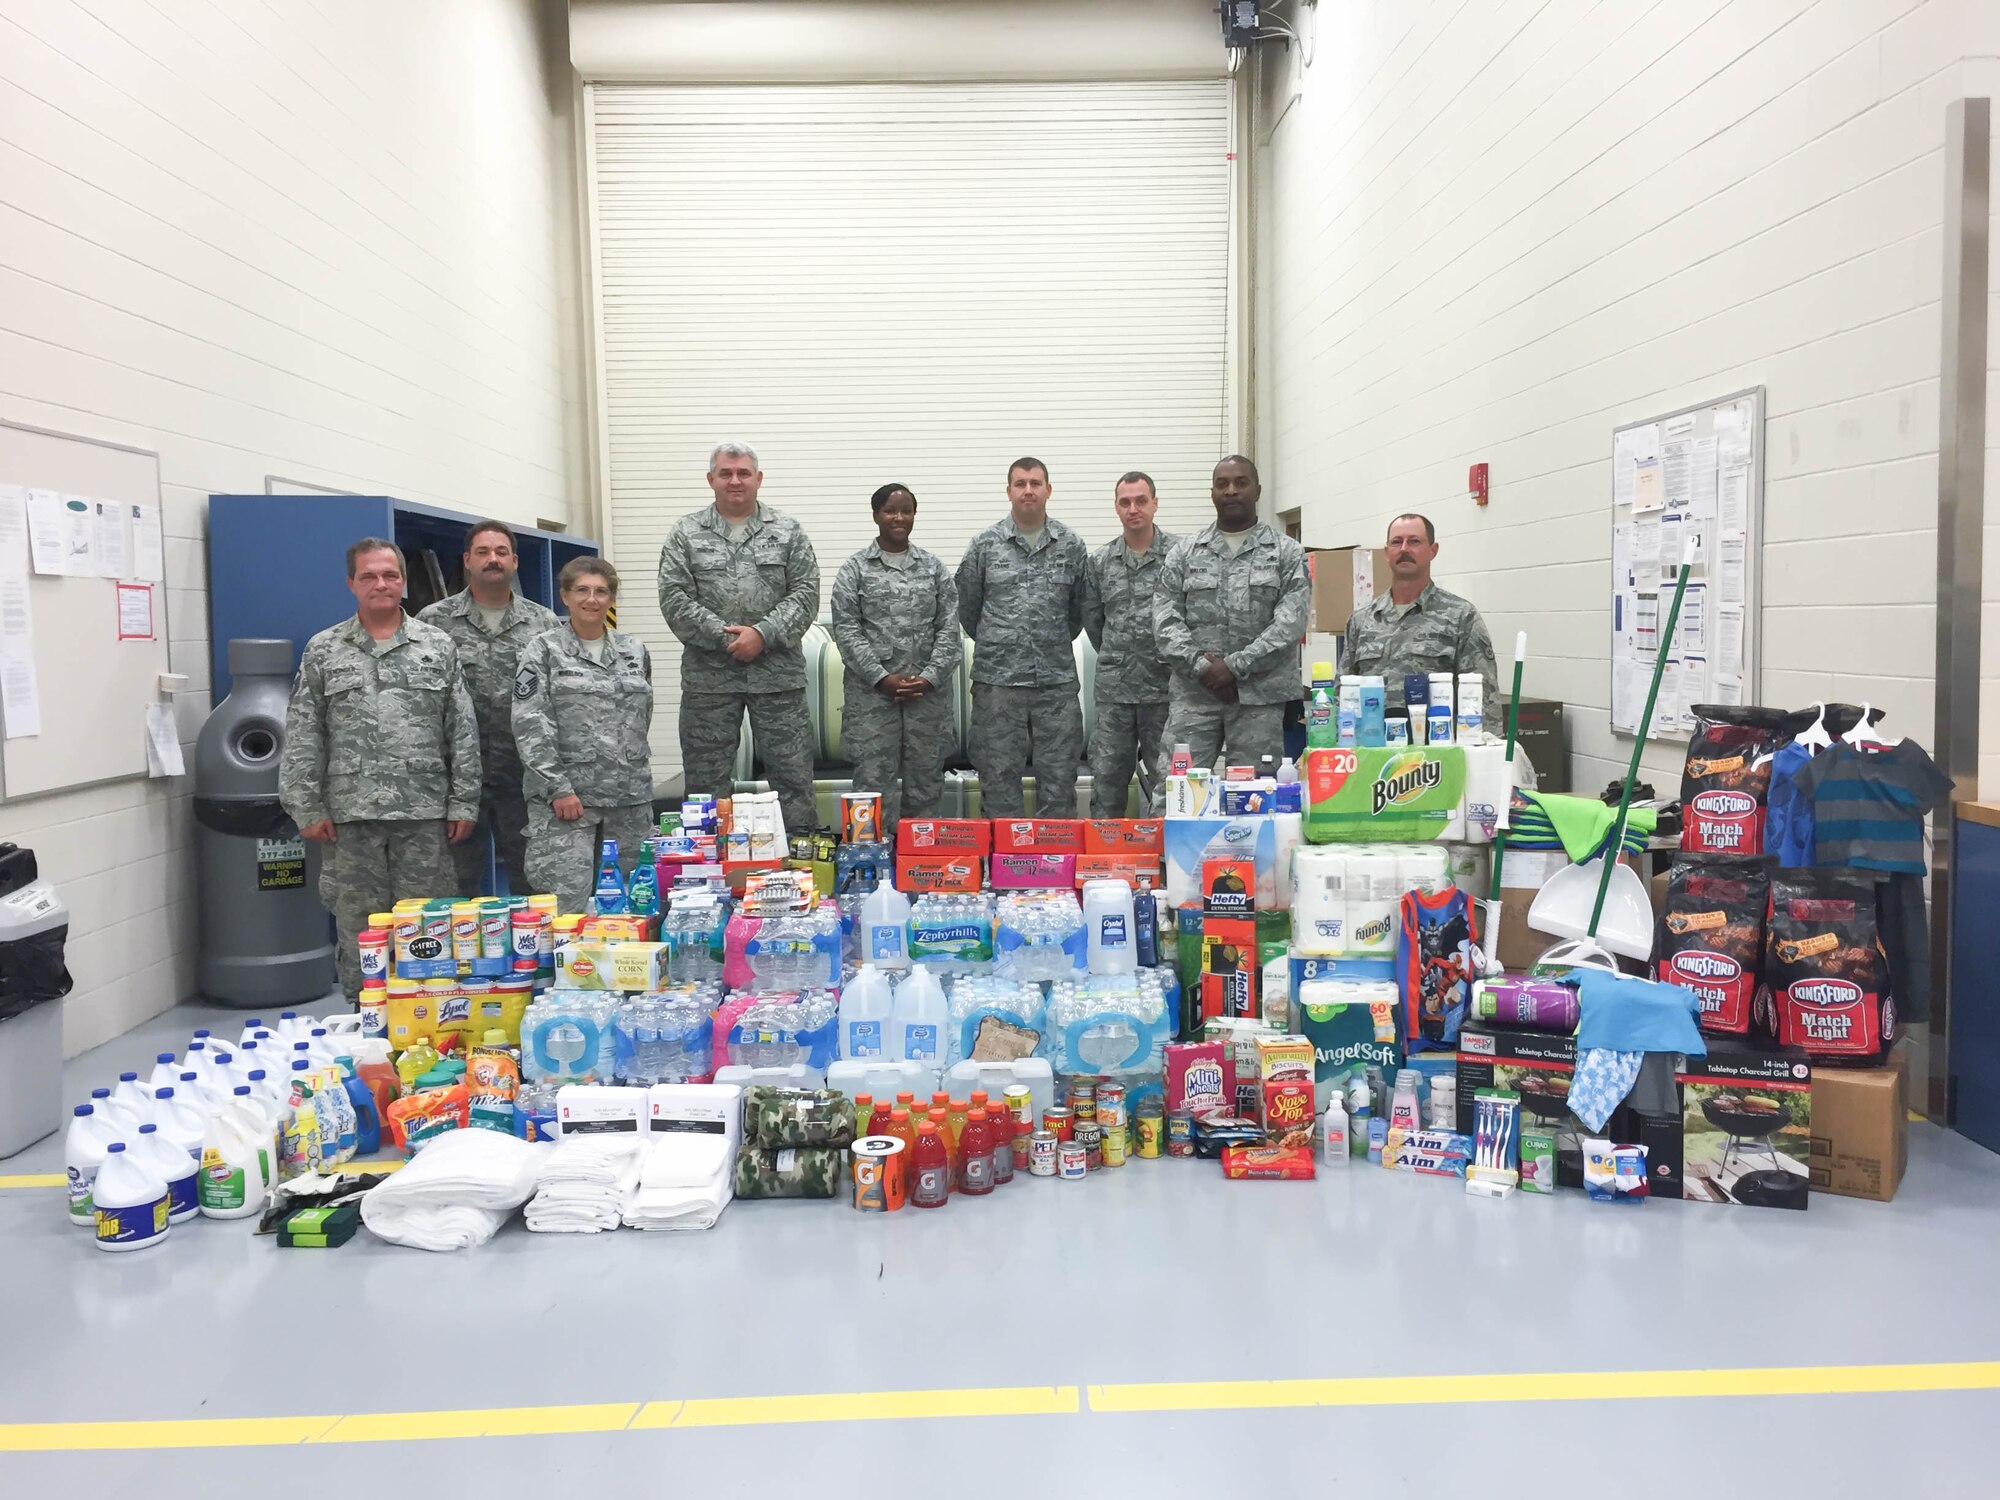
81	654
1694	472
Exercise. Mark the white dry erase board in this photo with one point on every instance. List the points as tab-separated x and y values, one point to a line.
1694	472
94	646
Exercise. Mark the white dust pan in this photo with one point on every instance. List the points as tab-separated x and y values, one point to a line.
1563	908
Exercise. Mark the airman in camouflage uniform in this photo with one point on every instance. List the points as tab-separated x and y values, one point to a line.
381	757
1229	620
739	585
1132	680
1020	597
581	712
488	654
895	619
1417	626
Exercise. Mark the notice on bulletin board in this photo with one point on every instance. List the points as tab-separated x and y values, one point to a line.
135	612
1689	479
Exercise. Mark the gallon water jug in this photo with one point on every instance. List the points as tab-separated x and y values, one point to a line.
921	1014
179	1121
232	1169
1107	925
885	929
83	1156
883	1078
132	1202
962	1079
788	1076
174	1165
867	1007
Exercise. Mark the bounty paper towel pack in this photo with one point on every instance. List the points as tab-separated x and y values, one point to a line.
1374	889
1319	900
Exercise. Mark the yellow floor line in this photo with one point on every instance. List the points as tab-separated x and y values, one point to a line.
1004	1401
60	1179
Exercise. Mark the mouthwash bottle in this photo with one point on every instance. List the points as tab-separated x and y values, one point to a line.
609	899
1320	706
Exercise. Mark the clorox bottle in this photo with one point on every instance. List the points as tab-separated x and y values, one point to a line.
232	1172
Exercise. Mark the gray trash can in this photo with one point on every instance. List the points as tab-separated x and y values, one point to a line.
265	937
34	924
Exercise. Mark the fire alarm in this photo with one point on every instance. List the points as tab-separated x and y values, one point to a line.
1476	482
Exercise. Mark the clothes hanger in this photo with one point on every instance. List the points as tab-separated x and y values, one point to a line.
1815	736
1863	735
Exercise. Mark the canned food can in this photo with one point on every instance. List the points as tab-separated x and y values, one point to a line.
1059	1122
1115	1145
1020	1101
1083	1106
1021	1152
1074	1164
1151	1130
1180	1133
861	817
1042	1154
1111	1105
1090	1136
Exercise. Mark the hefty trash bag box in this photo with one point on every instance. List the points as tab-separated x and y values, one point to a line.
1193	842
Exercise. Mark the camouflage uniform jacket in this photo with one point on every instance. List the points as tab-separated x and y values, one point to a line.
768	578
380	729
1118	615
581	724
902	620
1023	605
488	658
1250	606
1436	632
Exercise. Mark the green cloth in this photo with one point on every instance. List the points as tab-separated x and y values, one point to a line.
1584	823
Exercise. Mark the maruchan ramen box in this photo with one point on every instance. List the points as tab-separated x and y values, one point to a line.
1038	835
1124	836
944	836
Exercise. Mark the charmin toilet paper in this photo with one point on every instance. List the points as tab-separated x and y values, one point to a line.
1319	900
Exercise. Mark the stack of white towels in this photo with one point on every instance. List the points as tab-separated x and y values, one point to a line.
456	1192
586	1183
694	1130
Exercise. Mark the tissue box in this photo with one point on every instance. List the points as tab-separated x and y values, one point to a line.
1014	872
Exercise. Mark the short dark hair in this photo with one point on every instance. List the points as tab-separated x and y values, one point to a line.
1430	531
1135	476
881	497
376	544
587	567
1026	463
1238	458
472	532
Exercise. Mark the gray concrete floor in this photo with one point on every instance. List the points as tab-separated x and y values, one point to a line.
1161	1271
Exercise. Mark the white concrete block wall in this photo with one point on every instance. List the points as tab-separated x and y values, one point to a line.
332	244
1493	231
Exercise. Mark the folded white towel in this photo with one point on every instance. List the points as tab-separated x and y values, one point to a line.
456	1192
685	1161
686	1183
586	1183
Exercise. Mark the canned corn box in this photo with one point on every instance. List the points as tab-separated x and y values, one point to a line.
632	968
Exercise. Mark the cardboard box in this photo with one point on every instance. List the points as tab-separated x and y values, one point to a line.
1229	967
1545	737
1229	887
1017	872
631	968
1861	1129
1038	835
1343	579
1537	1066
937	872
1747	1133
1134	869
944	836
1124	836
1321	645
1518	945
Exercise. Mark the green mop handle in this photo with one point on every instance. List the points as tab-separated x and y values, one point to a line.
1617	844
1513	728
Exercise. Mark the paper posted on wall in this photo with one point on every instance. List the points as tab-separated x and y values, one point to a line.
163	742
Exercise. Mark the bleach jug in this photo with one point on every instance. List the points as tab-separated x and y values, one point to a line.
232	1180
920	1018
867	1007
83	1156
885	928
174	1165
180	1121
120	1119
131	1200
259	1121
134	1097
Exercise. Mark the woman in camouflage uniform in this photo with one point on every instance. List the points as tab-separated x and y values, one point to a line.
895	619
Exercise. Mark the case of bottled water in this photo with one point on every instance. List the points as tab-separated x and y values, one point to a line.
1038	935
974	997
668	1037
781	1030
951	932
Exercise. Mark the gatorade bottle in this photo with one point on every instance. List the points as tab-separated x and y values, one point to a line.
979	1100
1002	1124
1321	704
933	1169
610	897
901	1128
975	1155
864	1112
878	1122
956	1115
936	1120
908	1101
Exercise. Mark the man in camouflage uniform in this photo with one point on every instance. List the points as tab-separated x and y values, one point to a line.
1230	611
1020	597
739	584
582	708
381	759
490	623
1417	626
895	619
1131	678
